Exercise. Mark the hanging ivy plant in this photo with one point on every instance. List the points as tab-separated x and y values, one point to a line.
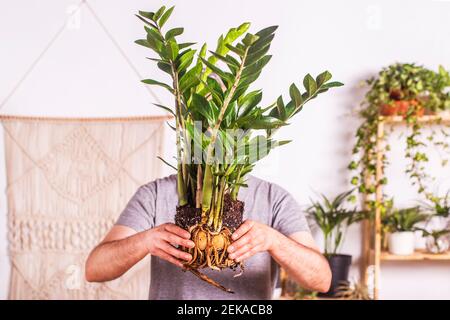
405	90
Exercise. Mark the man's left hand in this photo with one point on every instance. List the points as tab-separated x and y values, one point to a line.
250	238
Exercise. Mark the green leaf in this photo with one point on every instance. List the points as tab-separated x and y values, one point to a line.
236	50
154	34
157	83
143	42
225	77
155	44
282	142
165	17
203	50
265	123
249	39
190	78
213	87
172	33
247	80
323	77
165	108
310	84
254	57
266	31
167	163
332	85
250	101
185	45
256	67
200	104
281	108
158	13
173	49
295	94
146	21
230	37
232	62
185	60
148	15
164	66
261	44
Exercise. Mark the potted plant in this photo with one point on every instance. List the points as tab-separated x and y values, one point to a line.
333	220
437	229
408	90
401	225
221	127
437	240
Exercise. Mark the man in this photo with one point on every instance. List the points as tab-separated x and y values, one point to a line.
275	232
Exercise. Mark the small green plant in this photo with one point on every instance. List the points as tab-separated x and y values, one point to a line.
420	89
305	294
333	218
436	235
439	206
402	220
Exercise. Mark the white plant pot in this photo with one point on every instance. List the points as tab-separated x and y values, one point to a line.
401	243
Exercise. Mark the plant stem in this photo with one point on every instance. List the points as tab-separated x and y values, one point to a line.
198	193
182	175
206	201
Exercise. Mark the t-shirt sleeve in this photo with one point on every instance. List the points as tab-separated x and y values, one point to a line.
288	217
139	213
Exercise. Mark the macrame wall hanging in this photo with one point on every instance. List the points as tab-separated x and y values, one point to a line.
68	180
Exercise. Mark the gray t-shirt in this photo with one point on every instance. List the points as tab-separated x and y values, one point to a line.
155	204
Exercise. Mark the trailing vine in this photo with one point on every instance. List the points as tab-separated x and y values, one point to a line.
409	91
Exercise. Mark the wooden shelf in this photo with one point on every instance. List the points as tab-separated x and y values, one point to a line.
372	247
417	256
441	118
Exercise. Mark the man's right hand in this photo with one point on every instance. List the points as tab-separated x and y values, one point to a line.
160	242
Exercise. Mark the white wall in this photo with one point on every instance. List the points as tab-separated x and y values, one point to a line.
83	75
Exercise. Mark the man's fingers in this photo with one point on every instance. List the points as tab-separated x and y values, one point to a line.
175	252
247	254
177	240
240	251
177	230
245	239
163	255
243	229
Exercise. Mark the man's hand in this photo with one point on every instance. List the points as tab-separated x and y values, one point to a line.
161	240
250	238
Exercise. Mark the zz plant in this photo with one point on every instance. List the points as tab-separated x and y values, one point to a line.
221	127
411	91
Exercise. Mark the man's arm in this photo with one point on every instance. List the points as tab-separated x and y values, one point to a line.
123	247
297	254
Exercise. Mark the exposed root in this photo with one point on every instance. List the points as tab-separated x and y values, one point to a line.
211	251
207	279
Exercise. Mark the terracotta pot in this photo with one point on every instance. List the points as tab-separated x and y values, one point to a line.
388	110
401	108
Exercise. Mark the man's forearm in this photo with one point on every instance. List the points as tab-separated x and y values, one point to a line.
305	265
111	259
